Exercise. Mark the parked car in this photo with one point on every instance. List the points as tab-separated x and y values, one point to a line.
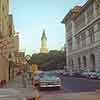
98	75
85	74
89	74
48	80
93	75
71	73
77	74
65	73
61	72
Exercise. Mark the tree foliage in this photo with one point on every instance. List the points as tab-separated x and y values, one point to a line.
53	60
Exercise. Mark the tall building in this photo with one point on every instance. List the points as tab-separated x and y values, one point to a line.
8	41
82	27
43	48
4	63
4	18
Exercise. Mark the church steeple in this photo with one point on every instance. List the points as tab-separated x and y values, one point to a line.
43	48
43	35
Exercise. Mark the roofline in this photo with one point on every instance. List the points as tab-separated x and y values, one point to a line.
66	16
69	14
81	11
84	7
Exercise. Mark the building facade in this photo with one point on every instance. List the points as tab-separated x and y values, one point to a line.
44	48
22	64
82	26
8	41
4	18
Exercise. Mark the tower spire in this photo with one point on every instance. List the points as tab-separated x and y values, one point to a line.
43	35
43	48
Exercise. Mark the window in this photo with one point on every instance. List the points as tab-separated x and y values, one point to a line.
7	2
70	44
90	13
10	30
10	56
5	17
91	34
83	37
3	8
97	4
79	22
98	25
84	62
79	63
0	26
69	28
82	20
78	40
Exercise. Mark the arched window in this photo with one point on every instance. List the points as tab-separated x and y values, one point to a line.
92	60
72	63
79	63
84	62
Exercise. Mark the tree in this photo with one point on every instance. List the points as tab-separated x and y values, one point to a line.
53	60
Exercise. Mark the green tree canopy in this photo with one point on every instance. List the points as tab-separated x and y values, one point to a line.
53	59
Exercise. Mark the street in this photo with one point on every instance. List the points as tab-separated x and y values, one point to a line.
73	96
44	44
72	84
73	89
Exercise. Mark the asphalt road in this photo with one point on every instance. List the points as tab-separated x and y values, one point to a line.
73	89
72	84
73	96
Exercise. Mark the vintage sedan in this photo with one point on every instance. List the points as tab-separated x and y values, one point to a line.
48	80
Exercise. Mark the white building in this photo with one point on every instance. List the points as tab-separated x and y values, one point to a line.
82	27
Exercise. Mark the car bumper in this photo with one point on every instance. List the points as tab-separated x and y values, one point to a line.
48	86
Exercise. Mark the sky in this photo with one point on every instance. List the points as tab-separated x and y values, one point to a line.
32	16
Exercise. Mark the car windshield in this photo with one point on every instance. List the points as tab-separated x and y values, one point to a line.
47	74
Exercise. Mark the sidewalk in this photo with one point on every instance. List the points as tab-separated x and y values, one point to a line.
20	81
17	83
15	90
